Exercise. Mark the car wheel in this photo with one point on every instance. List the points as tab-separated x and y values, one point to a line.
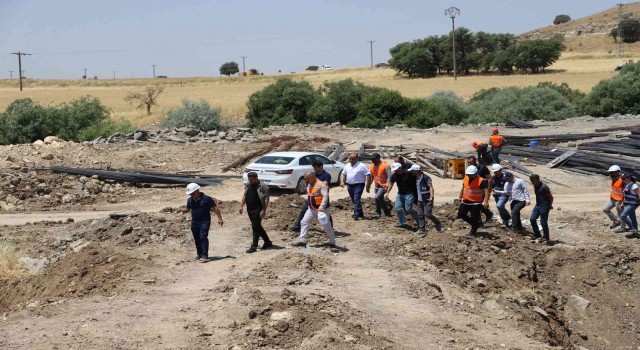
301	186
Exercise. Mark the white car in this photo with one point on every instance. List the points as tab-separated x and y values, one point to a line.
286	169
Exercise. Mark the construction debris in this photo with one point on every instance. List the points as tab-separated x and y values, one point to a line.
549	139
137	176
515	123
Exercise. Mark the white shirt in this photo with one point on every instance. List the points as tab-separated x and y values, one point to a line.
518	190
356	174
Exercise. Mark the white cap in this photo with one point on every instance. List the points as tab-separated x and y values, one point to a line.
496	167
192	187
471	170
614	168
415	167
395	166
323	218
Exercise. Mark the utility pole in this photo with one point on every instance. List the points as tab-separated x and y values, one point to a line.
114	75
620	30
371	43
20	54
10	74
243	69
154	71
453	12
85	73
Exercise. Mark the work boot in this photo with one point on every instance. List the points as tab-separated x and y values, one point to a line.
543	240
204	259
376	216
251	250
266	245
615	224
631	234
399	225
621	229
299	244
197	258
439	227
420	232
295	229
473	231
534	237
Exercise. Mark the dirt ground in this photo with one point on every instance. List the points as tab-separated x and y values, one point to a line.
132	283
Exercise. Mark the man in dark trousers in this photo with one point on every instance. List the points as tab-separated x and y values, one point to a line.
256	197
484	173
200	205
544	204
323	176
473	196
425	194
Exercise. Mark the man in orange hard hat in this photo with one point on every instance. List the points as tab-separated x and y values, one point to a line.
496	141
483	154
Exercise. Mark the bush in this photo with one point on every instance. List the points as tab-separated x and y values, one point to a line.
105	128
195	114
339	102
229	68
312	68
284	102
561	19
620	94
381	107
572	95
25	121
629	30
529	103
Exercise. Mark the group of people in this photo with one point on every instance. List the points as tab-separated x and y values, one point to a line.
414	189
625	197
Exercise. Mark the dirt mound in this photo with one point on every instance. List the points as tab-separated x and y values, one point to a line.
94	270
287	320
557	294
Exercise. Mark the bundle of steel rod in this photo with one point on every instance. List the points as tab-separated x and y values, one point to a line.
137	177
549	139
515	123
627	147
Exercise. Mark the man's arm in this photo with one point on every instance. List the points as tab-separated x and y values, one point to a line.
263	214
550	198
218	214
369	180
242	203
389	188
343	177
185	209
324	190
526	193
432	192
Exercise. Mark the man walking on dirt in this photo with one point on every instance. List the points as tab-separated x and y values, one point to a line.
355	175
499	181
496	141
321	175
517	191
256	197
318	198
200	205
406	193
473	195
615	198
380	172
425	195
544	204
484	173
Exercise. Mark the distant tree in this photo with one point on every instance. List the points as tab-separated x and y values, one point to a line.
614	33
561	19
146	99
312	68
413	60
253	71
536	55
229	69
630	30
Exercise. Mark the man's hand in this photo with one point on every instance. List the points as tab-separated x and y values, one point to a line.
220	222
386	197
240	210
263	214
184	210
368	189
486	205
321	209
342	184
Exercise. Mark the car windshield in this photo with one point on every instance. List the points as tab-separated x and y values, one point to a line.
279	160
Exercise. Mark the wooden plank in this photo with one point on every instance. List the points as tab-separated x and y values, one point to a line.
361	150
421	159
327	151
561	159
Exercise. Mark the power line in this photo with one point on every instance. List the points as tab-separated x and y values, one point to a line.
371	43
453	12
20	54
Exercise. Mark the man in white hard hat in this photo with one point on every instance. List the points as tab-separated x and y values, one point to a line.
500	195
473	196
484	173
318	198
200	205
406	196
425	193
615	198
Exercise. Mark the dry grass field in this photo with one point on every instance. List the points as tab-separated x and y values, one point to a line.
578	70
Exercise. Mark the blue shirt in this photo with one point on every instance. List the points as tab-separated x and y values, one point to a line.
324	176
201	208
499	184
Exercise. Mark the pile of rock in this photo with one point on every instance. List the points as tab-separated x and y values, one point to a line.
182	135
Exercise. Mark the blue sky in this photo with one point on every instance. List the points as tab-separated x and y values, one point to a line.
194	37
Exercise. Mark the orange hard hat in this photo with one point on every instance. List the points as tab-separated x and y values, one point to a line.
475	144
495	130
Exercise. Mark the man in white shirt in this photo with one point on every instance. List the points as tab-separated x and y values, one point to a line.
519	196
355	175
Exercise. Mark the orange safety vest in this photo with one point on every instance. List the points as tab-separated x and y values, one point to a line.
496	141
379	173
617	188
472	191
477	144
315	194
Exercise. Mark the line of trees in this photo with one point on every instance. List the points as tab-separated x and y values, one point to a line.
628	31
480	52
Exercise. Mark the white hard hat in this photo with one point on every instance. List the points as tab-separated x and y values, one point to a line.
496	167
395	166
471	170
415	167
323	218
614	168
192	187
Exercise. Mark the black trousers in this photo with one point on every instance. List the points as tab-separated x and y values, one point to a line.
474	219
256	227
516	207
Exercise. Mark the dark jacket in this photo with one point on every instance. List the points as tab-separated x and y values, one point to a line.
263	192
